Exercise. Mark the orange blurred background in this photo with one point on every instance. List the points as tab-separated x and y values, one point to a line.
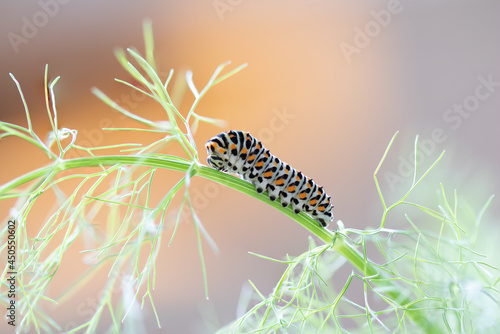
327	85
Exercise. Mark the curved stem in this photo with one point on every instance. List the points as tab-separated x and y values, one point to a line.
175	164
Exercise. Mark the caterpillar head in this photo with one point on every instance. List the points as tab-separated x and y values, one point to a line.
218	155
216	163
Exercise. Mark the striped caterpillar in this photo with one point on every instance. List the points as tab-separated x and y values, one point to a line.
240	153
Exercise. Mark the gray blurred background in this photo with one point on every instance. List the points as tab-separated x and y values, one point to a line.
327	86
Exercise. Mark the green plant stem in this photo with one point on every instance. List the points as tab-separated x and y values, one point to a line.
172	163
369	270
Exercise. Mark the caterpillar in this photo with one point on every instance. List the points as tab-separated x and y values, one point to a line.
240	153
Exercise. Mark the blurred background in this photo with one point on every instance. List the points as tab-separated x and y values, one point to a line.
328	83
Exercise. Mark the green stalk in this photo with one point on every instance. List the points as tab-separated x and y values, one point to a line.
172	163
